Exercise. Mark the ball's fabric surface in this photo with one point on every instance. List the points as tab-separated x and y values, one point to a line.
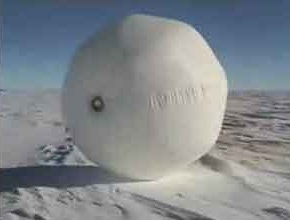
145	97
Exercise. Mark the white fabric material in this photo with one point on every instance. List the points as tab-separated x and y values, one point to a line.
164	93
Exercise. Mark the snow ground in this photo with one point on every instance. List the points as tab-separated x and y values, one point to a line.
245	176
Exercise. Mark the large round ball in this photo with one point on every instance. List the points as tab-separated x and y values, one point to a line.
145	97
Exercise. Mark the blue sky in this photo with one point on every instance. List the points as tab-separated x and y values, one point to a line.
251	38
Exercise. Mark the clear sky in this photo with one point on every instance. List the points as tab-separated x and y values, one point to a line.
251	38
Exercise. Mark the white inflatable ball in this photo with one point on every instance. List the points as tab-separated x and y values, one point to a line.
145	97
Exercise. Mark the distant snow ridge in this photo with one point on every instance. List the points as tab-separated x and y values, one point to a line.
62	154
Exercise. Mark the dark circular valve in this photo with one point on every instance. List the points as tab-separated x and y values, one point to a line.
97	104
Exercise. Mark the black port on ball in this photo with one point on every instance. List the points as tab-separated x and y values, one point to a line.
97	104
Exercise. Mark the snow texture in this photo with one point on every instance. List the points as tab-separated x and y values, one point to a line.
244	177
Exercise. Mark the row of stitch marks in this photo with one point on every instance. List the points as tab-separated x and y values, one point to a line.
179	96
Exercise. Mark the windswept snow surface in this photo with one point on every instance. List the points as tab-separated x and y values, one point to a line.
246	175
